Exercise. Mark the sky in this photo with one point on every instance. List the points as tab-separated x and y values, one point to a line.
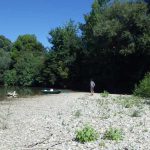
18	17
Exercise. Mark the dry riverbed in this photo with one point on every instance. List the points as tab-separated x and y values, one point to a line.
51	122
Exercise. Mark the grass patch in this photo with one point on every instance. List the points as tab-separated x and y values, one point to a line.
136	113
86	134
113	134
104	94
129	102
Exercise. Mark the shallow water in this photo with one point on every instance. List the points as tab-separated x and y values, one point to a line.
23	91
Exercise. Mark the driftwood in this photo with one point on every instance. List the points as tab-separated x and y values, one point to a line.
43	141
12	94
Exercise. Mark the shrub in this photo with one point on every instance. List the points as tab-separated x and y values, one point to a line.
86	134
113	134
136	113
129	102
10	77
143	89
104	94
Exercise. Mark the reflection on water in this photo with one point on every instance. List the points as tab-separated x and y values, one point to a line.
23	91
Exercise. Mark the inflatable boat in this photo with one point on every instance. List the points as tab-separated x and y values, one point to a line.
51	91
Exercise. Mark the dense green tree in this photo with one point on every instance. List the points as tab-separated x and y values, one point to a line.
5	43
5	60
28	57
55	72
27	68
112	47
10	77
65	44
117	43
26	43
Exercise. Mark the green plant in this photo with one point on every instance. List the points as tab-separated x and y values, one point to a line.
10	77
104	94
143	89
136	113
77	113
129	102
86	134
113	134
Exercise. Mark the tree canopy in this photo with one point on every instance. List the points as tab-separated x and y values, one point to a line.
27	59
112	47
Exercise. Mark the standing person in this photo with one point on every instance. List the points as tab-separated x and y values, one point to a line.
92	85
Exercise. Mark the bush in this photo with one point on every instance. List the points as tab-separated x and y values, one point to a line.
104	94
129	102
136	113
10	77
86	134
113	134
143	89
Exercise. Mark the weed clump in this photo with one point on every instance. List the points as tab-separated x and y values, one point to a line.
86	134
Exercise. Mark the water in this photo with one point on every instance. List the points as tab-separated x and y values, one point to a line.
23	91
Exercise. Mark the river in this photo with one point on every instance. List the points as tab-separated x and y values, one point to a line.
23	91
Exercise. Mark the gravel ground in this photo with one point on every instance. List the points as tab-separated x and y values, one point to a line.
50	122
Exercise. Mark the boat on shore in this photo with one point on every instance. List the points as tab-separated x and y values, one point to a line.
51	91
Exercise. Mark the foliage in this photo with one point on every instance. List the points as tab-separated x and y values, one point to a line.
28	43
27	68
28	56
143	89
64	38
87	134
54	70
112	46
104	94
25	91
5	43
113	134
129	102
10	77
116	38
136	113
59	62
5	59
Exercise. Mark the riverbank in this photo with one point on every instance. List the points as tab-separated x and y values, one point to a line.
51	121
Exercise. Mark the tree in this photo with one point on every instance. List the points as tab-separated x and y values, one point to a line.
5	43
28	57
26	43
27	69
116	38
65	44
5	60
